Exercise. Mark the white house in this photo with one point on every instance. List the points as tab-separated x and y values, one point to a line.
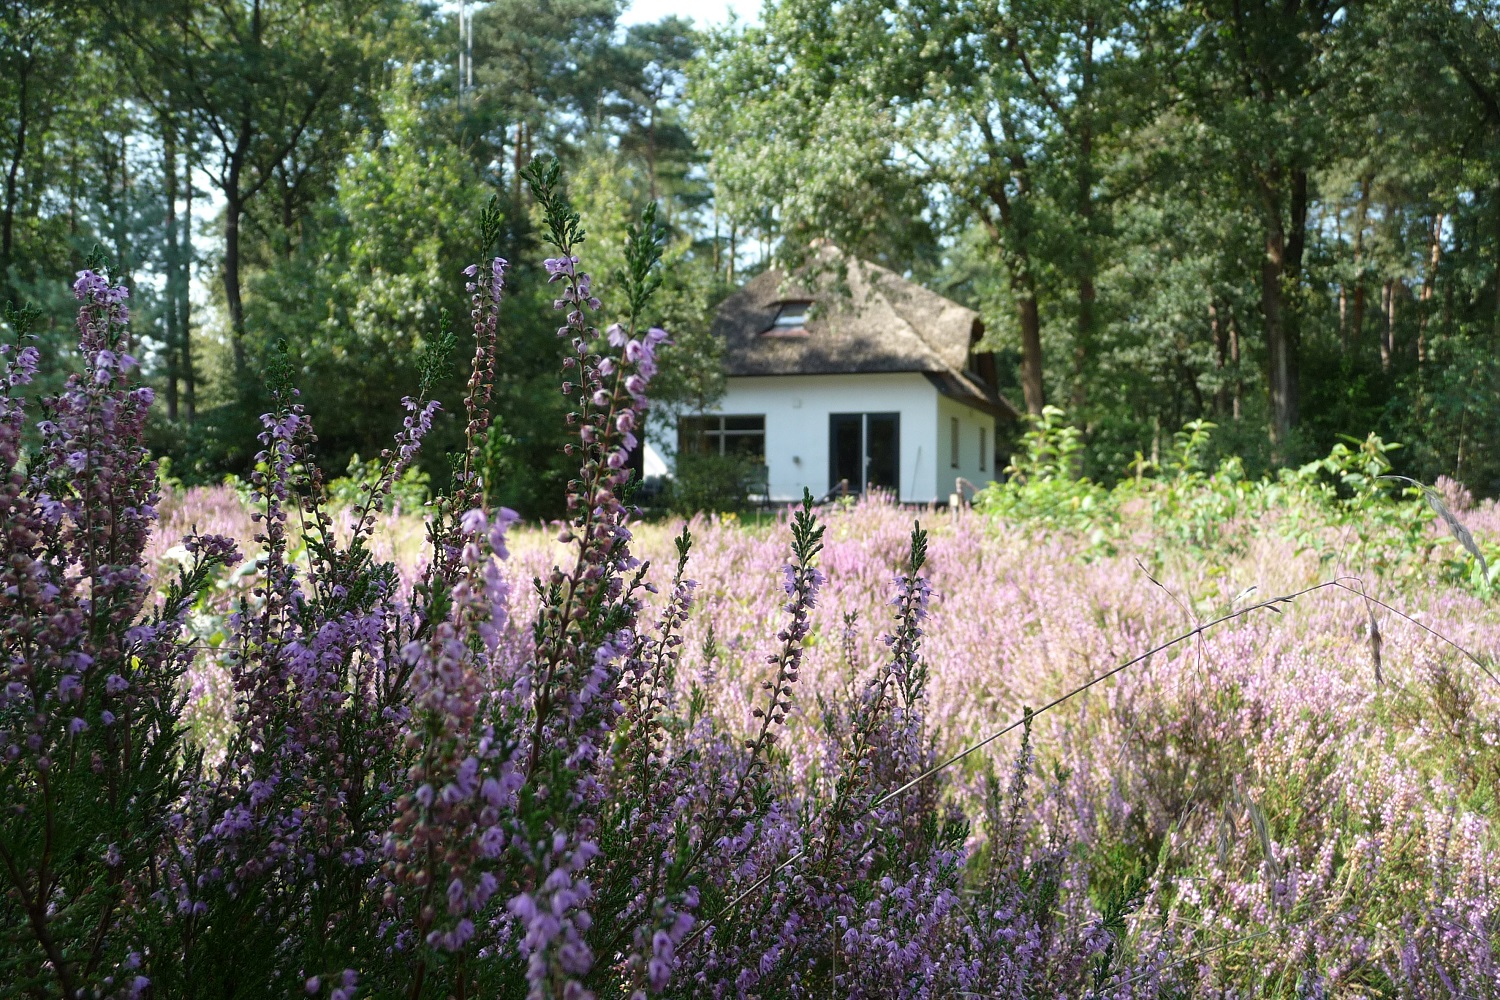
854	378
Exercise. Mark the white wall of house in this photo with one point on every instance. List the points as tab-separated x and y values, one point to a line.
977	468
797	408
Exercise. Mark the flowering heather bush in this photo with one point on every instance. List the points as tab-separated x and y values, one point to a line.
340	769
413	793
1159	794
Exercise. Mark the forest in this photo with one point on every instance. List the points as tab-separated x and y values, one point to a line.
1280	217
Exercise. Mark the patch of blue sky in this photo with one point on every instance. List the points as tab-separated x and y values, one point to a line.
703	13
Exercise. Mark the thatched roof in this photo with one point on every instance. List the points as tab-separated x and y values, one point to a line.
864	318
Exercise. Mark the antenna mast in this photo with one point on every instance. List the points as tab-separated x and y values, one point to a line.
465	51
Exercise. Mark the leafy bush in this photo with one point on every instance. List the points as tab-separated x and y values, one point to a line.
409	492
1348	508
1042	481
712	483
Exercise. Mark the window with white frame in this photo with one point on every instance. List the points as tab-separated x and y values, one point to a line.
742	435
792	315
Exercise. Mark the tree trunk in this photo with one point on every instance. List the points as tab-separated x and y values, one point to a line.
1362	217
1338	240
1031	344
288	215
73	173
516	167
122	229
1279	371
1388	334
1013	247
1083	347
1190	378
169	197
1434	258
1234	359
234	209
1343	318
7	228
185	297
1013	253
232	285
651	150
1221	357
1281	271
1497	260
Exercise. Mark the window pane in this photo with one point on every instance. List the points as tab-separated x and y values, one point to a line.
692	438
883	450
746	445
745	424
845	450
984	459
953	441
792	314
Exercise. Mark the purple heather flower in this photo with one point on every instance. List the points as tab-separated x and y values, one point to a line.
474	522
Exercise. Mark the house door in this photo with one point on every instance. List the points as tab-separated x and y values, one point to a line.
864	450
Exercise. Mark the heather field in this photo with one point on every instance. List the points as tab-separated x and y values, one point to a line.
1282	799
1194	734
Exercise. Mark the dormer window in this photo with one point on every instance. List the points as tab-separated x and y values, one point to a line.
791	319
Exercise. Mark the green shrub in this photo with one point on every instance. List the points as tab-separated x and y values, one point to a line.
711	483
1347	508
408	493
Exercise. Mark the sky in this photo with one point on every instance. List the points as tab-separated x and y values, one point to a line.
705	13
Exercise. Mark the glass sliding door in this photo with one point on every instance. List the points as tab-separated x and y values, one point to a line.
864	450
846	449
883	451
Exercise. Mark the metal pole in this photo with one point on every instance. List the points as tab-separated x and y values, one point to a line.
468	48
463	50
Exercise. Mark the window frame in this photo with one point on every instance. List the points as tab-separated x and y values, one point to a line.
714	429
861	422
782	321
